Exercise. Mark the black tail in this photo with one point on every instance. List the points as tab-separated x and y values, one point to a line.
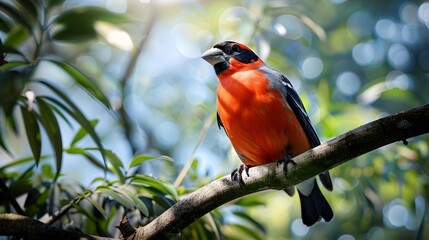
314	207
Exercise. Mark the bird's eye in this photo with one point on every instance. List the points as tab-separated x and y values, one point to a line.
227	50
235	48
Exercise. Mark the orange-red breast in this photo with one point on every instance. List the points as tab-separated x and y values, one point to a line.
265	119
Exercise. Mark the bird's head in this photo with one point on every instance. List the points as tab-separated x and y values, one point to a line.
232	56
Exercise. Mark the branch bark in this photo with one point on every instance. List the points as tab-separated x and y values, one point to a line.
397	127
28	228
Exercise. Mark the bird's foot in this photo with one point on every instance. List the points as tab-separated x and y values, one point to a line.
285	161
236	174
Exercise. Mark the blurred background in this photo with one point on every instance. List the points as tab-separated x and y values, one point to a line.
351	61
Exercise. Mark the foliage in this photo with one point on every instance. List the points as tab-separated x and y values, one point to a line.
93	209
352	62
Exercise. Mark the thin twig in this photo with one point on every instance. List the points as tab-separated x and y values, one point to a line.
127	124
207	123
10	197
63	210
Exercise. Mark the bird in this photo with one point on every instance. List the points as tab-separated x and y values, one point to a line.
265	121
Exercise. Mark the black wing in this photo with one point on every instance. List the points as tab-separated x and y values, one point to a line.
282	84
298	108
219	121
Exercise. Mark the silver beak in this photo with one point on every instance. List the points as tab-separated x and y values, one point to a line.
214	56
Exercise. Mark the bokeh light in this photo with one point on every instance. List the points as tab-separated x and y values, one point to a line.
396	214
375	233
184	36
312	67
399	56
115	36
348	83
423	13
167	133
298	229
397	79
235	23
346	237
361	23
386	29
119	6
288	26
370	53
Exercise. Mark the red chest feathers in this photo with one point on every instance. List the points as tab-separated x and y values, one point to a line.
257	120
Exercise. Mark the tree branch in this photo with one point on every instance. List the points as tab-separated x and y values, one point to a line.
397	127
28	228
60	213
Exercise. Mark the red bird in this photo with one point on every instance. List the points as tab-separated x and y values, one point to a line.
265	120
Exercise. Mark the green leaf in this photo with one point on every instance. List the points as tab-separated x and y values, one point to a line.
199	231
89	15
12	84
81	133
141	206
11	121
36	200
47	171
3	143
29	8
143	158
22	185
159	198
50	124
122	199
58	111
245	232
98	179
16	36
10	50
5	24
96	205
11	65
53	3
74	31
19	162
116	164
252	221
74	112
214	224
33	132
87	84
250	201
131	196
87	155
88	214
399	95
15	14
166	188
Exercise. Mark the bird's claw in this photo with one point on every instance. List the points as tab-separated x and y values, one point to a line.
285	161
237	177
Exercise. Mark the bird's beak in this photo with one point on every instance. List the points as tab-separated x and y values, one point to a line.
214	56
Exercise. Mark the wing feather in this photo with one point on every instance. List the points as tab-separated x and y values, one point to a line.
280	82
